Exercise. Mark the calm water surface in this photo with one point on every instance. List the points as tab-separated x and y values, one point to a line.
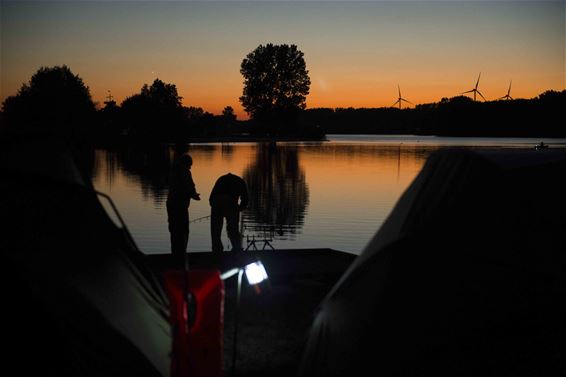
333	194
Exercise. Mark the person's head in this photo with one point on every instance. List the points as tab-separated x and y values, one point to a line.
186	161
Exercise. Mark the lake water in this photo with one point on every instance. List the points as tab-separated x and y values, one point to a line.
332	194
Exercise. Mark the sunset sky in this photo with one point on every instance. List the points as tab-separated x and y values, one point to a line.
356	52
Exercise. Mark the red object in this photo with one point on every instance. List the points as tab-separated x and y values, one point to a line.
197	349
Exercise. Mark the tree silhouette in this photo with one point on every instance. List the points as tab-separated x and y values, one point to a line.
276	83
228	114
55	102
163	94
279	194
456	116
193	113
155	112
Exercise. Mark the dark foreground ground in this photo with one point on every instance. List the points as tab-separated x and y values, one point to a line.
273	325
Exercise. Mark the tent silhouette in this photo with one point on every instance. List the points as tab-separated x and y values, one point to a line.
78	298
466	277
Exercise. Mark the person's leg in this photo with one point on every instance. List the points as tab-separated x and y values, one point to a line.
185	230
216	224
182	238
178	219
232	225
172	226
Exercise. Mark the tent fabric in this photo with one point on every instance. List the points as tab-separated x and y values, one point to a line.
465	277
78	298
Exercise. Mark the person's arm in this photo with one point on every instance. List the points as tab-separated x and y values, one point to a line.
213	193
191	188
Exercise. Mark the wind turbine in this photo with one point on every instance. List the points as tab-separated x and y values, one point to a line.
401	99
508	95
475	90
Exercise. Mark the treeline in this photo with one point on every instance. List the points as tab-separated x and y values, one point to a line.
56	102
157	113
457	116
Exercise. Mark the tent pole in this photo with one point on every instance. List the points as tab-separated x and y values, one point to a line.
235	349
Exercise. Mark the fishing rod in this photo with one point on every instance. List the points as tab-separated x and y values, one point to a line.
199	219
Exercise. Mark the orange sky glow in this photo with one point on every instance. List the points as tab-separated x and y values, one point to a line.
357	53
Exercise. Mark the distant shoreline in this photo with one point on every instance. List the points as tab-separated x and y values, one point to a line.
326	138
255	139
249	139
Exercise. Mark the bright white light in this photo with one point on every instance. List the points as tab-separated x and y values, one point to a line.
255	273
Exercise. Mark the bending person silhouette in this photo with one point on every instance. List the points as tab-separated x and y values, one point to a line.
181	191
227	191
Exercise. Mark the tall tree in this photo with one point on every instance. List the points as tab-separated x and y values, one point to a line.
55	101
276	82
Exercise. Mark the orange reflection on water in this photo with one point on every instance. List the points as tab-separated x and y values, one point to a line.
303	195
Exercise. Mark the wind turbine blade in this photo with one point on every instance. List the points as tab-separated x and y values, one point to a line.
395	103
469	91
403	99
477	82
509	90
481	95
399	90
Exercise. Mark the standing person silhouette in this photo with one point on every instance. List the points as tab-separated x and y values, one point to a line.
227	191
181	191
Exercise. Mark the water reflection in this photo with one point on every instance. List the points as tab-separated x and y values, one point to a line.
352	186
206	151
279	194
146	165
227	150
344	152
